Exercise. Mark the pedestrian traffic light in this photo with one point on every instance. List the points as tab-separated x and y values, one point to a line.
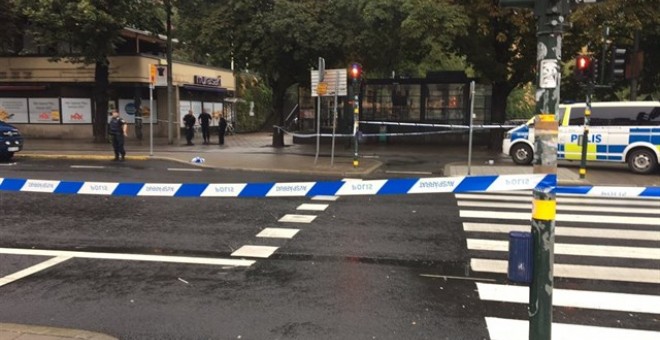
583	68
355	71
618	64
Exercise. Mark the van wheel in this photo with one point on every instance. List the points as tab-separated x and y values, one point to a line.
642	161
522	154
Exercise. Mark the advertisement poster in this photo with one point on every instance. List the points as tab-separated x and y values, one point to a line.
217	112
44	110
14	110
184	106
127	110
76	110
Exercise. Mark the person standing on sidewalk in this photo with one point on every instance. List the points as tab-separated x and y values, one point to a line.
205	122
189	122
222	127
118	130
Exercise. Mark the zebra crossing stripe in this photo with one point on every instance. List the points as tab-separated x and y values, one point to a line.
622	302
508	329
576	271
625	234
575	249
562	207
486	214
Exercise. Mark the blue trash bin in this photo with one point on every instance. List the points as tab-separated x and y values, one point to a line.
521	257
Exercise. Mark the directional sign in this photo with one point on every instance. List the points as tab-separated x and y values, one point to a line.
335	80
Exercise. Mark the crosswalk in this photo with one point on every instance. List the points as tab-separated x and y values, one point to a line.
607	264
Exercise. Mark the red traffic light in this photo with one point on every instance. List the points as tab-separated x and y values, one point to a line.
582	63
356	71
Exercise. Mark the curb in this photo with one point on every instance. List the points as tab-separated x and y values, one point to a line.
25	331
79	157
366	171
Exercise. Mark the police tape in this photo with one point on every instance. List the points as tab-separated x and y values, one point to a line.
447	126
397	186
610	191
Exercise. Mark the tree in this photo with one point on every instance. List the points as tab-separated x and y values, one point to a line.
625	19
91	28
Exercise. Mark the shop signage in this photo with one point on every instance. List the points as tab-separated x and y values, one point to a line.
207	81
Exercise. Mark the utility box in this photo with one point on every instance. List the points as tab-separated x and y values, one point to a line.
521	257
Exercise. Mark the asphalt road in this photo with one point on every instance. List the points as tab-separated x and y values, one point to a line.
393	267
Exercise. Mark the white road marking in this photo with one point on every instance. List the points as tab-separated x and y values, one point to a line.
8	164
575	249
184	169
292	218
312	207
578	271
324	198
408	172
467	278
560	217
254	251
507	329
567	231
278	233
87	166
128	257
562	199
633	303
34	269
560	206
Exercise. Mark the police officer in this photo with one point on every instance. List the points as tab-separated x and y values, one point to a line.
118	129
205	122
189	121
222	128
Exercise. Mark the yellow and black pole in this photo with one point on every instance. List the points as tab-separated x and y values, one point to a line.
551	16
356	75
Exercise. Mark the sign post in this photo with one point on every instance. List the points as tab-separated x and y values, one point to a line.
152	81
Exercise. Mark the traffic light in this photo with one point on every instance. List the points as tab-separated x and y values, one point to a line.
583	68
355	72
618	64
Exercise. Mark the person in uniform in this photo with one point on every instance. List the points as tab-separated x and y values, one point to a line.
118	130
189	122
222	127
205	122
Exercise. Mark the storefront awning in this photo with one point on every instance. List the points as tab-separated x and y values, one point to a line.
191	87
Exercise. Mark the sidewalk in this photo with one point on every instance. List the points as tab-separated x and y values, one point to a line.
11	331
254	152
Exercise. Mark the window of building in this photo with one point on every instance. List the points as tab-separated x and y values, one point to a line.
445	103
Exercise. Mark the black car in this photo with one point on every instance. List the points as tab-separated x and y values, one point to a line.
10	141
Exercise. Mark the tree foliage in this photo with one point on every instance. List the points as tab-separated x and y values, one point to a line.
87	31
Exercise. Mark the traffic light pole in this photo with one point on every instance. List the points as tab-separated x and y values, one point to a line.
551	16
585	135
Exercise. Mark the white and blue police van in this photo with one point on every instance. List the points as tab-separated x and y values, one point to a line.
618	132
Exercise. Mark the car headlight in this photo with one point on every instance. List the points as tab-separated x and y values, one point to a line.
7	142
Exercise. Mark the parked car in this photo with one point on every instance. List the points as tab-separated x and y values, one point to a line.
10	141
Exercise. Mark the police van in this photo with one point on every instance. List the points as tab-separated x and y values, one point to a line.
618	132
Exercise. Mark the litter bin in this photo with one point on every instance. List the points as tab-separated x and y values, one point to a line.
382	137
521	257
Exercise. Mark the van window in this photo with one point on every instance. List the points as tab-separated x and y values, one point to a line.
577	116
623	116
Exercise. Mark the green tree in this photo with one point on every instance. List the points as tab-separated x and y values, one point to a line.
92	29
625	18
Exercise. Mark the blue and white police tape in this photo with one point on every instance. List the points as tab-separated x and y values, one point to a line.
398	186
607	191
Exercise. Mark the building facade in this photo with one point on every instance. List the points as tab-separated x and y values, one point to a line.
48	99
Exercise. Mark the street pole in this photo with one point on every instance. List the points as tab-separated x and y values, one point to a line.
469	172
334	120
585	135
551	18
318	108
170	98
151	119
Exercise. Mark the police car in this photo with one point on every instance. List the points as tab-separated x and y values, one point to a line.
618	132
10	141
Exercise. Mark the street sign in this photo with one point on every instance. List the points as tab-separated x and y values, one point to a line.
161	75
334	80
322	88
